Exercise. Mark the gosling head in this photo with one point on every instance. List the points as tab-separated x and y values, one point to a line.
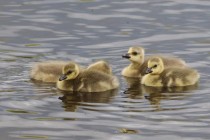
135	54
155	66
70	71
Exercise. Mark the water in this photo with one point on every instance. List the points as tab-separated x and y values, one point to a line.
89	30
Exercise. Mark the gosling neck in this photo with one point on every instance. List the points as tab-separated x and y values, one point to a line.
142	58
135	65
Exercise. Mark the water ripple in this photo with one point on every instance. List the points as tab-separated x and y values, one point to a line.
85	31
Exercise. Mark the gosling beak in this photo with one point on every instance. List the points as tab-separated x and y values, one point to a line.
148	70
62	77
127	56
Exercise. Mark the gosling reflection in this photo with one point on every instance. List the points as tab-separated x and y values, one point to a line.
150	90
71	100
155	94
134	90
132	82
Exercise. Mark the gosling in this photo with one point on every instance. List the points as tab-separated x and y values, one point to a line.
138	64
73	79
159	76
48	71
101	66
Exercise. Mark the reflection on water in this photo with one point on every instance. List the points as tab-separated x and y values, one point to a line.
155	94
88	30
100	97
72	100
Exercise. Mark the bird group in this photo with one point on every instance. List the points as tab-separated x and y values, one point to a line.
153	71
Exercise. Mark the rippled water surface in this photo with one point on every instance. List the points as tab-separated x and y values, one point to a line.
88	30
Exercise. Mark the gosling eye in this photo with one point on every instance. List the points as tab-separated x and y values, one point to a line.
155	66
134	53
69	72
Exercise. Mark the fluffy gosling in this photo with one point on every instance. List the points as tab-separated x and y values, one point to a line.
73	79
138	64
159	76
101	66
48	71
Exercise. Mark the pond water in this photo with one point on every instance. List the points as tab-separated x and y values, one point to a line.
88	30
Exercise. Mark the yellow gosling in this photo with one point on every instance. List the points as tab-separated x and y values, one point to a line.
73	79
48	71
159	76
101	66
138	64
